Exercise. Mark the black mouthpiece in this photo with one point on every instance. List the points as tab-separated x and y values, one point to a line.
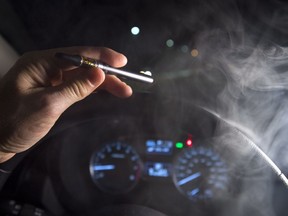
73	59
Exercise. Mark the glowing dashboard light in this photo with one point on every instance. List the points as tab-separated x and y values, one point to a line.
170	43
189	142
194	52
179	145
135	30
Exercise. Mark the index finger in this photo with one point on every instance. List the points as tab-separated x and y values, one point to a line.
46	62
102	54
47	58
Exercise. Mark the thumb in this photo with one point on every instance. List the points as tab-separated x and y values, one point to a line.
77	87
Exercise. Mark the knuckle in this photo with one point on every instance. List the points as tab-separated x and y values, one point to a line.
79	89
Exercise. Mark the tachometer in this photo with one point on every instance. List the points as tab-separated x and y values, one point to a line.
200	173
116	168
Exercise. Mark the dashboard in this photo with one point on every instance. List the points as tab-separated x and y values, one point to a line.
197	172
146	155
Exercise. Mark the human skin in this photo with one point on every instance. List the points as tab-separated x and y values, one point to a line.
39	88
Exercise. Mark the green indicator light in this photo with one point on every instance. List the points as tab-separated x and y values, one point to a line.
179	145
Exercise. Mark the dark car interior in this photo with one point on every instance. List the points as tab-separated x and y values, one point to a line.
208	137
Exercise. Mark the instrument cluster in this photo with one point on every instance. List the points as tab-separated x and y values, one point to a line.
196	169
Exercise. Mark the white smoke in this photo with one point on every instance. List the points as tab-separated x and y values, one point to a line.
254	97
246	47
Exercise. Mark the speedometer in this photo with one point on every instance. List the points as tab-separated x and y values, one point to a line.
200	173
116	168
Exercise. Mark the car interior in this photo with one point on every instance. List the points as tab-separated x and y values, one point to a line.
207	137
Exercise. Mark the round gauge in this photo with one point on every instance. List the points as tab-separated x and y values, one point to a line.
200	174
116	168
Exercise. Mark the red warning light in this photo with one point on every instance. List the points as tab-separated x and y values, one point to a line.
189	142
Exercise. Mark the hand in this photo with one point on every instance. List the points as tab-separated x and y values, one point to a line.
39	88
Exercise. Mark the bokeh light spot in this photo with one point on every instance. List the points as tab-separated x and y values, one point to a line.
135	30
184	49
170	43
194	52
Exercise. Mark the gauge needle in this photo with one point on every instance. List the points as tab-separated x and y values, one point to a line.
104	167
189	178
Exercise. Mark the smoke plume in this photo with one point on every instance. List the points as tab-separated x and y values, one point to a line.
243	58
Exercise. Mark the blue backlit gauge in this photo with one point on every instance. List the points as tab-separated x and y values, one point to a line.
200	174
116	168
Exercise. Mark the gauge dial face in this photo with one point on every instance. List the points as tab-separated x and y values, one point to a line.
200	174
116	168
